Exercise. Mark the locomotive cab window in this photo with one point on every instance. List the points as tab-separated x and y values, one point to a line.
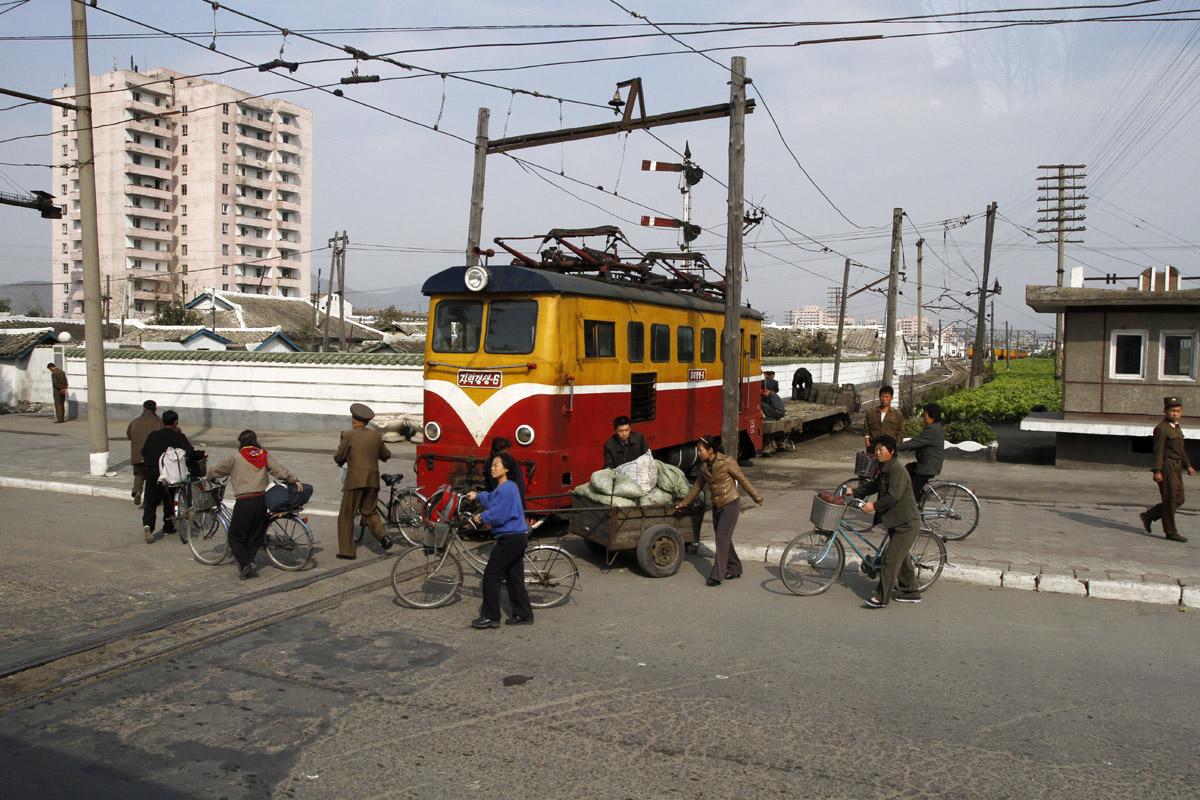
457	325
660	343
636	334
599	339
753	346
685	344
708	344
511	326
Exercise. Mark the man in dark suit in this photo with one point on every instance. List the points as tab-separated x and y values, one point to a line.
624	445
802	384
769	381
929	446
157	443
1170	460
361	450
136	433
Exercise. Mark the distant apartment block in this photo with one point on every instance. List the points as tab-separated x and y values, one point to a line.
198	186
813	316
908	326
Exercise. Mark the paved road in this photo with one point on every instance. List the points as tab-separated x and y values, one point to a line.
637	688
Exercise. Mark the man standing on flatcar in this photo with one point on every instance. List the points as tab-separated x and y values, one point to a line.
625	445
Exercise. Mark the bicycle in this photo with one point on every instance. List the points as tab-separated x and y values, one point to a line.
430	575
813	560
288	541
401	512
948	508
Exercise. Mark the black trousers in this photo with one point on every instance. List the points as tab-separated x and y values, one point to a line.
506	564
156	495
248	528
725	520
918	481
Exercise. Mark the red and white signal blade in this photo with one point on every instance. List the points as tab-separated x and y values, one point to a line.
661	166
661	222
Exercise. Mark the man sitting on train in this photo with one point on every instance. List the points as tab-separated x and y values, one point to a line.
625	445
772	404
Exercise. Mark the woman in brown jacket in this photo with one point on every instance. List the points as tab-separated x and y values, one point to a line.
722	475
247	473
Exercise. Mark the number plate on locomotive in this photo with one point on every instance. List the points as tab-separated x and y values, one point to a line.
697	374
483	380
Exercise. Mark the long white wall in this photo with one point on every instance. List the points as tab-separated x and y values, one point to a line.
283	396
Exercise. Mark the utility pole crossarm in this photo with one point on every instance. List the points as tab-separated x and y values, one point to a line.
608	128
39	200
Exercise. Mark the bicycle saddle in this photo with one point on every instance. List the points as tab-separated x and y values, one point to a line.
392	479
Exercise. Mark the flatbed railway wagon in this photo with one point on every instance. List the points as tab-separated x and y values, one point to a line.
547	352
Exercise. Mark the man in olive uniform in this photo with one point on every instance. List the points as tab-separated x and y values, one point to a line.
884	420
136	433
58	383
361	450
1170	460
897	509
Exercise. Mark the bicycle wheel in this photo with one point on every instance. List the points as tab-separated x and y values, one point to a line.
855	520
929	557
550	575
812	562
950	510
208	536
424	578
289	543
404	515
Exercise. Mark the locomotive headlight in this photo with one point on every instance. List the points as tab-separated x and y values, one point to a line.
477	278
433	431
524	435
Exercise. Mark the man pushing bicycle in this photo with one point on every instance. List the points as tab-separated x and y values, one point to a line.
899	514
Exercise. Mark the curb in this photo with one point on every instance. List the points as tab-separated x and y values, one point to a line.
63	487
1133	589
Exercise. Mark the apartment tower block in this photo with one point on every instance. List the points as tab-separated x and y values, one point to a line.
198	186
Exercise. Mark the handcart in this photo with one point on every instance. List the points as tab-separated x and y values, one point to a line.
658	534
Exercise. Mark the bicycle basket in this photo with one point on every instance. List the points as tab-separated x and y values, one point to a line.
825	516
206	495
865	466
436	535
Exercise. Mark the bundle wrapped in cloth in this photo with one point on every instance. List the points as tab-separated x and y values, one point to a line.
614	487
643	469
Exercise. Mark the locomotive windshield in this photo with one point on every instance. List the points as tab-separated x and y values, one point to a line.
511	326
457	325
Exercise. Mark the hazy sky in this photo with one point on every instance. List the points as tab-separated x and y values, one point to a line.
936	122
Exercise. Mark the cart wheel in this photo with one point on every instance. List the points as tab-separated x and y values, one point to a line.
660	551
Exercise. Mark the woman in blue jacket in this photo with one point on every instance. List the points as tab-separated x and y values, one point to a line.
504	513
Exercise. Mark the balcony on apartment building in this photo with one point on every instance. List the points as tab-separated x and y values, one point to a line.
146	147
147	254
146	127
293	145
252	180
145	191
146	169
148	211
252	120
248	137
253	161
163	236
146	105
288	205
251	202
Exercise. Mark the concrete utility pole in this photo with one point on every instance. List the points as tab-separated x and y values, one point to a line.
337	271
475	223
93	325
920	330
992	335
731	336
889	341
837	354
1007	349
1069	202
342	346
980	317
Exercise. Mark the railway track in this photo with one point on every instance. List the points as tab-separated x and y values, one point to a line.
37	680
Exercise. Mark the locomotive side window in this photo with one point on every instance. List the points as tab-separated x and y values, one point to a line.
685	344
599	339
660	342
511	326
708	344
753	346
457	325
636	333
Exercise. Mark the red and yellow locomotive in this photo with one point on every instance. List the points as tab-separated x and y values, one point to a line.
547	352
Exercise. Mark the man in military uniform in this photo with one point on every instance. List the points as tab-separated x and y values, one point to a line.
361	450
58	383
1170	460
136	433
897	509
884	420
